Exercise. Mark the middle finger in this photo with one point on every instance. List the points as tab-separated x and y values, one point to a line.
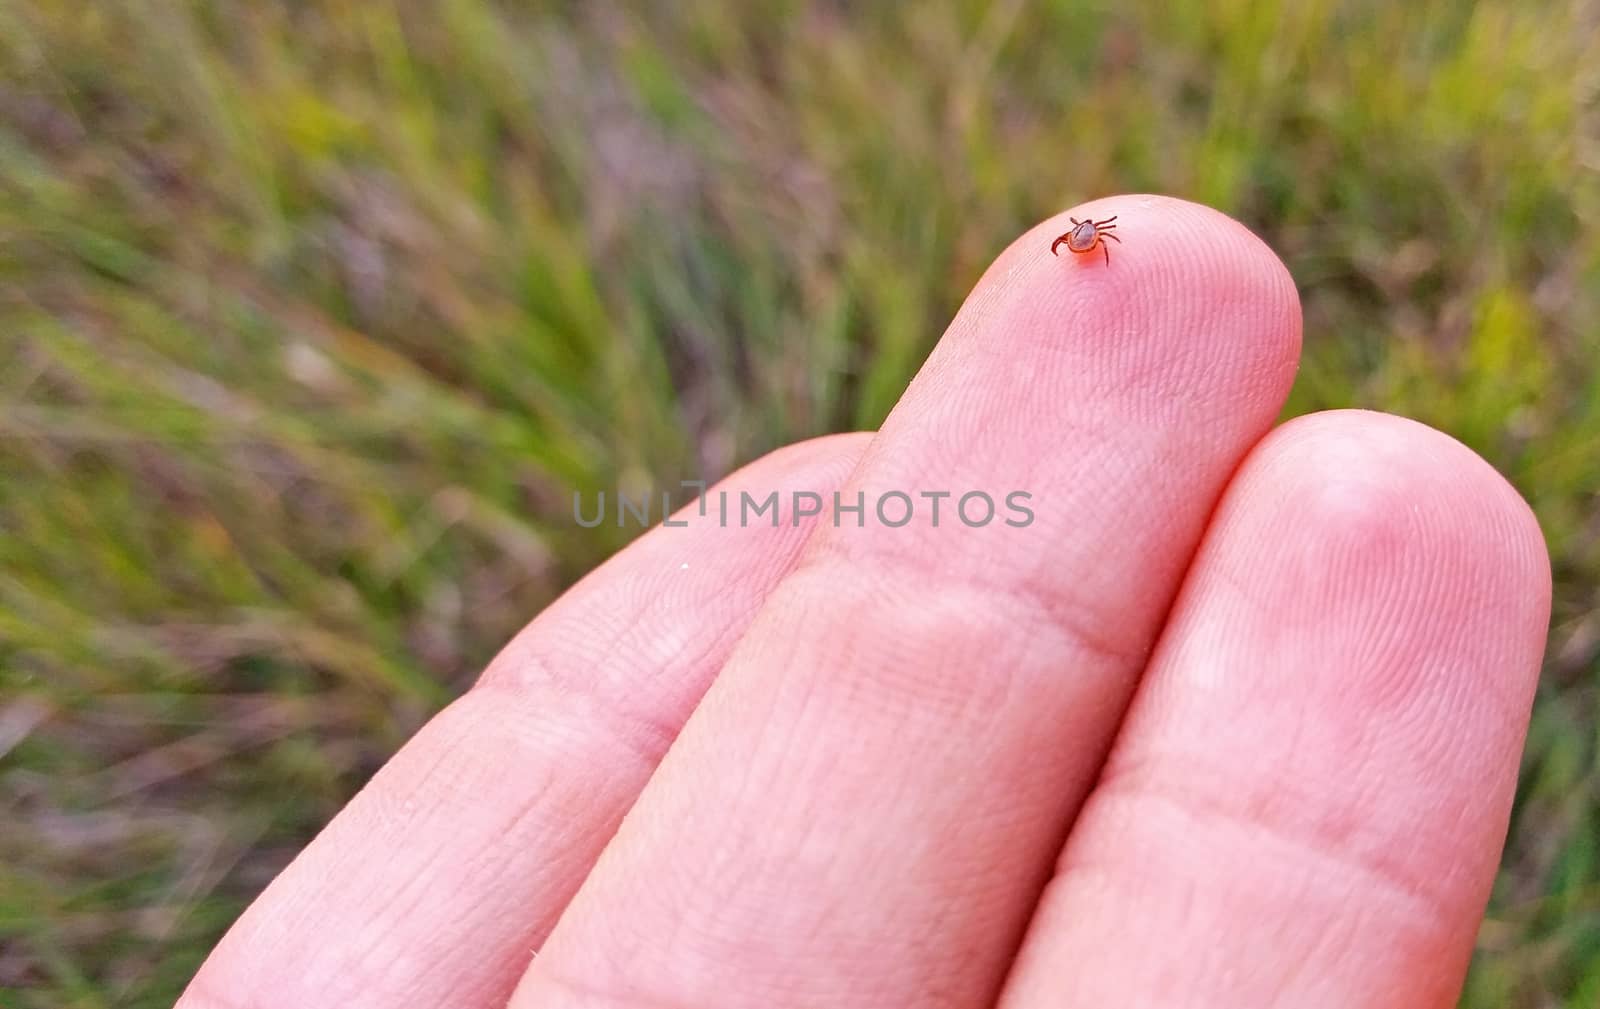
864	807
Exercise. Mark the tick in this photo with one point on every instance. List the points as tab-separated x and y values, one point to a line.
1085	235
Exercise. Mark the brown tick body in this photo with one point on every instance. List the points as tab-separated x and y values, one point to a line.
1085	235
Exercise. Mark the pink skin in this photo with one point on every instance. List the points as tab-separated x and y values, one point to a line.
1235	721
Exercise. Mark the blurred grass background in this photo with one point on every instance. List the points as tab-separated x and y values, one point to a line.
313	315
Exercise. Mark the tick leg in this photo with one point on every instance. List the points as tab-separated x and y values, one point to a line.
1114	238
1057	242
1101	224
1107	250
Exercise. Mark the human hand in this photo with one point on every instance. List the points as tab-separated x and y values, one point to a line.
1233	721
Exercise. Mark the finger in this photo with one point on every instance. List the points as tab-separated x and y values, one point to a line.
435	884
864	808
1307	803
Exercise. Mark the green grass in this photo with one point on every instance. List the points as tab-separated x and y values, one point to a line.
313	315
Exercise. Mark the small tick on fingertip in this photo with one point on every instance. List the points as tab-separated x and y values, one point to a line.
1085	235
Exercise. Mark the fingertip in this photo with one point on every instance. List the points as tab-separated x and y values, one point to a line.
1190	301
1366	503
1176	249
1409	466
